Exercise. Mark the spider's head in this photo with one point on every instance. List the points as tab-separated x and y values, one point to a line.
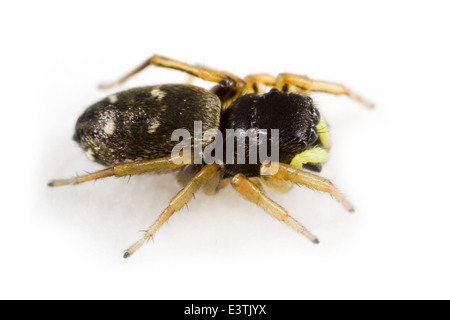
297	121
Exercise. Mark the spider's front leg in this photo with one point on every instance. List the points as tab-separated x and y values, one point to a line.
307	84
289	82
250	191
286	172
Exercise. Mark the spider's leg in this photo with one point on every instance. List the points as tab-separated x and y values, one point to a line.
309	180
285	79
233	85
223	78
314	155
253	82
126	169
251	192
201	178
191	78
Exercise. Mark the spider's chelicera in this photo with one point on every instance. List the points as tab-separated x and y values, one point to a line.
233	133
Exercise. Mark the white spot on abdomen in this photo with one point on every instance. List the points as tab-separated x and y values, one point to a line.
113	98
109	127
154	124
158	93
90	154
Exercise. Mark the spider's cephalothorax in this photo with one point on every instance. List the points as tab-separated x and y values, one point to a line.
131	133
293	115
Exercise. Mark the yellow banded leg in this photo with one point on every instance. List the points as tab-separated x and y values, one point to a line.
309	180
314	155
128	169
223	78
253	193
190	79
201	178
307	84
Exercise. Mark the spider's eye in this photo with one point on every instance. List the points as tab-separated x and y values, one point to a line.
313	135
316	116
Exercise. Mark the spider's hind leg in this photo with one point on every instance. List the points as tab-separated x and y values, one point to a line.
126	169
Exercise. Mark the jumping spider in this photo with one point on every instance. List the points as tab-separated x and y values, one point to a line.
130	133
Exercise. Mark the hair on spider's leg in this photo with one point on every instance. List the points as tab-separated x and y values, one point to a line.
308	84
79	179
224	79
253	193
182	197
309	180
121	170
201	72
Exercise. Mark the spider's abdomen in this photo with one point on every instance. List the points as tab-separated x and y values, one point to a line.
137	124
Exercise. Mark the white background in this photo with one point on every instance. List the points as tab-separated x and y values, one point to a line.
392	162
